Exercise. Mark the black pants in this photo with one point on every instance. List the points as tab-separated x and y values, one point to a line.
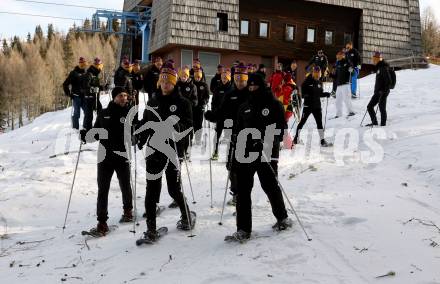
154	188
105	172
91	104
317	114
198	122
380	99
245	181
218	130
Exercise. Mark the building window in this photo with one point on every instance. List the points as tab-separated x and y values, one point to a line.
187	57
290	32
244	27
311	32
328	37
222	22
348	37
264	29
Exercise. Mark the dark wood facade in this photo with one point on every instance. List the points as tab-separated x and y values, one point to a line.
301	15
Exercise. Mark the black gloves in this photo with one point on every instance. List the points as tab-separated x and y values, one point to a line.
209	115
327	94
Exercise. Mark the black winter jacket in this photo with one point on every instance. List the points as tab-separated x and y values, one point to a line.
353	57
202	94
218	97
150	80
189	91
383	78
166	106
312	92
342	72
74	81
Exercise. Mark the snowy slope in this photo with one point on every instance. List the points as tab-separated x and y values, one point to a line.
357	213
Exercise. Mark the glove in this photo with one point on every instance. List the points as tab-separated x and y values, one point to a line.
258	146
209	115
350	69
82	135
289	108
327	94
134	140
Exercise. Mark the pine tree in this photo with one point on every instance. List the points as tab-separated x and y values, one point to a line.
16	44
29	38
38	35
5	47
50	32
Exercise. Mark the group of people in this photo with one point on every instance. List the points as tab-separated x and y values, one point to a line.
242	98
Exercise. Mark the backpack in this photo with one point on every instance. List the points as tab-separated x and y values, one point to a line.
393	79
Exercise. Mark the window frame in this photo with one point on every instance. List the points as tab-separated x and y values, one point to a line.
314	34
249	27
295	29
333	37
218	22
259	29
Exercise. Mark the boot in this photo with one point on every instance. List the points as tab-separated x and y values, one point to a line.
351	114
325	143
127	217
283	224
371	124
151	232
173	205
183	224
214	156
102	228
233	201
239	236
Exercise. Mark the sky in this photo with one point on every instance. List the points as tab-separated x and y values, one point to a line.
11	25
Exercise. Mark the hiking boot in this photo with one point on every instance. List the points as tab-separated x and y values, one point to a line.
351	114
283	224
173	205
325	143
127	217
233	201
214	157
102	228
183	224
371	124
239	236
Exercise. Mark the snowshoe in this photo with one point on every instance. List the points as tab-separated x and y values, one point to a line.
183	225
239	237
152	237
283	225
233	201
101	230
214	157
159	210
173	205
371	125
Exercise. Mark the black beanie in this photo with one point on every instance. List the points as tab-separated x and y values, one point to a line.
117	90
256	80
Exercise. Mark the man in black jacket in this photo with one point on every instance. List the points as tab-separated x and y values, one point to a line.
167	108
223	90
152	76
381	90
203	98
111	120
91	87
354	59
342	78
216	80
321	60
312	92
264	115
229	111
72	89
123	79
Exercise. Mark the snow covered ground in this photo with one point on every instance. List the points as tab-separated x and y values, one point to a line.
368	214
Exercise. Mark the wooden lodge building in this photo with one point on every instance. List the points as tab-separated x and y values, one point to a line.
270	31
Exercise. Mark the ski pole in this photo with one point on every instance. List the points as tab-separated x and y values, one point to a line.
189	180
231	154
210	161
135	189
179	170
285	195
73	183
326	109
364	117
